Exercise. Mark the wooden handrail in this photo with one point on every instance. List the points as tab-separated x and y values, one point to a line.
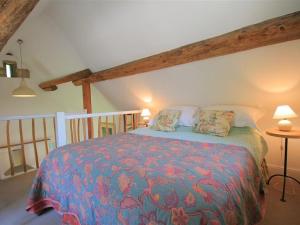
54	129
11	162
22	146
34	145
45	135
25	143
99	126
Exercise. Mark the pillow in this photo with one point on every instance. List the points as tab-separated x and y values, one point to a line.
187	114
213	122
244	116
166	120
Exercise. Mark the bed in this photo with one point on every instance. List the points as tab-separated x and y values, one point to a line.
149	177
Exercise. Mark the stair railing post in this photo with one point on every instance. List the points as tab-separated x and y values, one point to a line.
61	136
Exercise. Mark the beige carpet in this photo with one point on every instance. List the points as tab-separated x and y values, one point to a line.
14	191
282	213
13	197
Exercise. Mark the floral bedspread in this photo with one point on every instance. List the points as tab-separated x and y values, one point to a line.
132	179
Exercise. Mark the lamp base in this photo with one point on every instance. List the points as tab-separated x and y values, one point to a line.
146	121
284	125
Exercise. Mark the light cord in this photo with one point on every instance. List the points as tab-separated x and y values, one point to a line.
20	42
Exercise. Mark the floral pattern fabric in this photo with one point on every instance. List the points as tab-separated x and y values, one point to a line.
213	122
133	179
166	120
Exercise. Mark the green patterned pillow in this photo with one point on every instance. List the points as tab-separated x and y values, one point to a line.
166	120
213	122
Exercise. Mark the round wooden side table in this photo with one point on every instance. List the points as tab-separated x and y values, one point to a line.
286	135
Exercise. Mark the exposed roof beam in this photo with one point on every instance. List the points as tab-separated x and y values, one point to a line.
273	31
12	14
51	85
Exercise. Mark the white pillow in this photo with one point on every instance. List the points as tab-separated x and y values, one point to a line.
244	116
186	117
187	114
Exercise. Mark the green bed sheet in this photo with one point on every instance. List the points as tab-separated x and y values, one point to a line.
240	136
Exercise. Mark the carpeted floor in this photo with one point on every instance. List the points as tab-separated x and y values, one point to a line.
14	191
13	197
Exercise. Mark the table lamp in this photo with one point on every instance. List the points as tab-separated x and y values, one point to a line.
283	113
146	115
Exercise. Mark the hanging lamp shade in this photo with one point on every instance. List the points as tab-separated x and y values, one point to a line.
23	90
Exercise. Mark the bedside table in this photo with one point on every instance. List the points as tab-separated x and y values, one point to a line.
286	135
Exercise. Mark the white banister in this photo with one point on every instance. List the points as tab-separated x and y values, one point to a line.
78	116
27	117
61	137
62	118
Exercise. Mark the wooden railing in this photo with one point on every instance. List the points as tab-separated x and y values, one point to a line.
17	138
31	135
102	124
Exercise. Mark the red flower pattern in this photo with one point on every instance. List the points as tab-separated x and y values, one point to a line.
142	180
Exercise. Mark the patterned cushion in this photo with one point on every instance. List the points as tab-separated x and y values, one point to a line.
213	122
166	120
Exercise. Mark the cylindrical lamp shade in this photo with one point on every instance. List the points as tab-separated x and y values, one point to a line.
146	113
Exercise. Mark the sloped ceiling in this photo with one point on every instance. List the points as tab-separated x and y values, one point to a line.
110	33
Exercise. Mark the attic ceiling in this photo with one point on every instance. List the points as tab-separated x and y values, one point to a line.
104	34
110	33
63	37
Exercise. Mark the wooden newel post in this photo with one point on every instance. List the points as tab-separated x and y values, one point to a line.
87	105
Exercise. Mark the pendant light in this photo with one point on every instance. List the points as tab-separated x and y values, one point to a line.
23	90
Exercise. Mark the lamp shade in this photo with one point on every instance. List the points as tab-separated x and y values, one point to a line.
146	113
284	112
23	90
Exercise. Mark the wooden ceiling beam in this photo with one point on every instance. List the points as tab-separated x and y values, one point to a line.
273	31
12	14
51	85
